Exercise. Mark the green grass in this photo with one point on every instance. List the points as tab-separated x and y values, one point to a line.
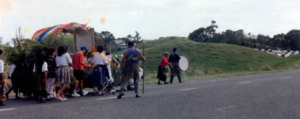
210	60
212	57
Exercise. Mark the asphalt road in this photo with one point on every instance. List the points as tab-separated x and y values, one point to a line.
262	96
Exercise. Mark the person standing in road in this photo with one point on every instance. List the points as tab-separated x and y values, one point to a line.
74	81
51	73
100	62
40	70
109	59
130	68
2	79
162	69
11	70
175	70
63	62
78	66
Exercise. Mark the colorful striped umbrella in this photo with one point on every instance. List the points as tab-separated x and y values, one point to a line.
43	33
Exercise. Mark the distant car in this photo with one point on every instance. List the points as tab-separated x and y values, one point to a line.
279	55
287	55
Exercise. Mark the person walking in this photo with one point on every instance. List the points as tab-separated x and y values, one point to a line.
40	70
130	68
175	70
100	72
11	70
2	79
51	73
162	69
63	61
78	66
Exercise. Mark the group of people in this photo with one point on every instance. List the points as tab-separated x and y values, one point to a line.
173	63
53	70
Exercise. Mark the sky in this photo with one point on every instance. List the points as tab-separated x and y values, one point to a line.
151	18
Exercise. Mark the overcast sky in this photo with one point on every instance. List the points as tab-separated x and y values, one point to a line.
151	18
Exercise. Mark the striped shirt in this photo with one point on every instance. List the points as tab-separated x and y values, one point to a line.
51	67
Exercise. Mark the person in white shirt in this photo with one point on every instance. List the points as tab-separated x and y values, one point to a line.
2	79
100	71
40	70
109	59
63	61
70	92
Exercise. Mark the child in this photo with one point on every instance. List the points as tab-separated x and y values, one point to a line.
40	70
2	79
51	73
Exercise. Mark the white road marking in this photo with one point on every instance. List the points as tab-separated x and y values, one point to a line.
188	89
7	109
287	77
245	82
106	98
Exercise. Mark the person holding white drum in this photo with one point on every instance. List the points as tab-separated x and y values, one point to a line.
175	69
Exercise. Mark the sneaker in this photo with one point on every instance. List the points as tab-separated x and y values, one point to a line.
120	95
65	99
158	83
137	96
76	95
42	100
48	97
85	93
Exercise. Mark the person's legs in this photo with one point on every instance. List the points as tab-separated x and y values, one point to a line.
123	87
179	78
171	79
50	86
1	102
61	91
1	94
9	90
76	83
100	89
136	80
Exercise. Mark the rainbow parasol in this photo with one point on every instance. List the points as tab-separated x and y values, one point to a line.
42	33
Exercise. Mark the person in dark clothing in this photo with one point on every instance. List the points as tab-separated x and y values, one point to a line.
51	73
175	70
40	76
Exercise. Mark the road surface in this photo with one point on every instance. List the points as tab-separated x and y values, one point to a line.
262	96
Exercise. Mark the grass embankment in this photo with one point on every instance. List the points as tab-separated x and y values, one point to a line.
208	60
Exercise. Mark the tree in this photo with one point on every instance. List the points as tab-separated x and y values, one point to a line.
136	38
7	44
1	40
124	39
204	34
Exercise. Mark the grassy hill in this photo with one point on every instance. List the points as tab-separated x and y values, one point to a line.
211	57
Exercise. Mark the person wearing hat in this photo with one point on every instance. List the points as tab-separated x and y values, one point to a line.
78	66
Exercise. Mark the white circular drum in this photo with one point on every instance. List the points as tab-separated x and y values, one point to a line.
183	63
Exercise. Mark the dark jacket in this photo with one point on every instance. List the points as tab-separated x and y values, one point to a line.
174	58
